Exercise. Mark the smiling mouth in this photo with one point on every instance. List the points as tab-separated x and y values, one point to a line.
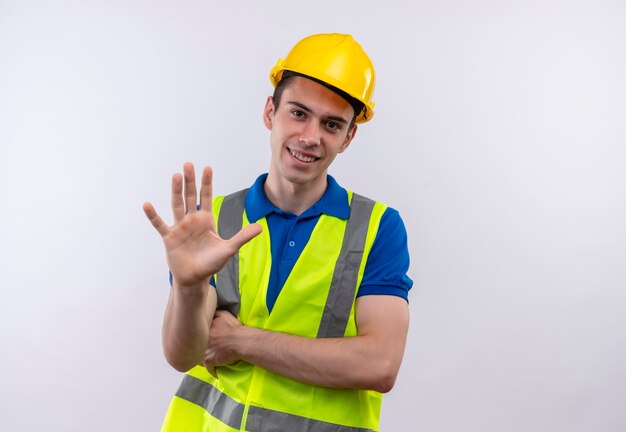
302	157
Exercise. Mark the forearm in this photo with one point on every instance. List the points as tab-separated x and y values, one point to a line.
358	362
370	360
186	324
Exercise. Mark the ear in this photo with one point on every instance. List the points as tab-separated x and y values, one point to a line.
268	113
349	137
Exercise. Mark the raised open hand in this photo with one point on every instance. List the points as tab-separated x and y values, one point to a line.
193	247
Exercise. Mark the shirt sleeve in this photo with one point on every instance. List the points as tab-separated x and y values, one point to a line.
388	261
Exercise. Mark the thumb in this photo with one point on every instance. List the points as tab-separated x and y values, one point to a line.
245	235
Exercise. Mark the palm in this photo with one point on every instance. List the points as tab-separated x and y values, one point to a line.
194	250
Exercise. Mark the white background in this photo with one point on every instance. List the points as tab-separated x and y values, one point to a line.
499	136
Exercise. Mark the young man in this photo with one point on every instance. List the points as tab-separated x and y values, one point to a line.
311	278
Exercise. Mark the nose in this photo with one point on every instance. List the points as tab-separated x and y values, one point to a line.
311	134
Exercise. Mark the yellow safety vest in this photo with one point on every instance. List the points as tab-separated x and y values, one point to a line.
317	300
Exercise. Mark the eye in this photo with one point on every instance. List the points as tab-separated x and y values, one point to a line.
333	126
299	114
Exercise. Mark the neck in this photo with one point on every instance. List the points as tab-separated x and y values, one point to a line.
294	197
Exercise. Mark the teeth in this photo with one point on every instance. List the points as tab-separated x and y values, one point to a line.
301	157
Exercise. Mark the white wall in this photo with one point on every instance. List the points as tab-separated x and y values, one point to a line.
499	136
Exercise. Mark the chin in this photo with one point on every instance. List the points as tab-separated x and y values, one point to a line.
301	178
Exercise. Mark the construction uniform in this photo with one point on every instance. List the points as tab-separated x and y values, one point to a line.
300	276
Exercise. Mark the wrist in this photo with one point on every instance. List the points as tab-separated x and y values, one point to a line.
191	290
242	343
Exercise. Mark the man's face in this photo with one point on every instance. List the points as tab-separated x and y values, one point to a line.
308	129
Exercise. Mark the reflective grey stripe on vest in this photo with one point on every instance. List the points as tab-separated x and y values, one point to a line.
261	419
228	224
230	412
218	404
343	286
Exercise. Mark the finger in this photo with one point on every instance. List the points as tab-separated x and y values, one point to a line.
220	313
245	235
206	189
155	219
178	205
211	369
191	197
223	314
207	362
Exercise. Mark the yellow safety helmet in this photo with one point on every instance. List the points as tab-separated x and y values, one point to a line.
336	59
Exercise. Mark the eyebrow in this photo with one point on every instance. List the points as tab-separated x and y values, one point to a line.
308	110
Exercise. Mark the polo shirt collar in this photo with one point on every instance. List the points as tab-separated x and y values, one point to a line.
334	202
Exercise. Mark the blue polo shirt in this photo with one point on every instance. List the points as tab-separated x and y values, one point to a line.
388	261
